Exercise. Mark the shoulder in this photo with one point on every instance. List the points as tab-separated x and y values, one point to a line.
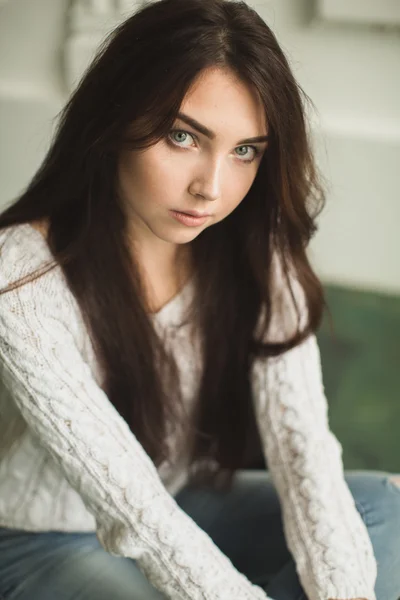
38	313
31	282
23	250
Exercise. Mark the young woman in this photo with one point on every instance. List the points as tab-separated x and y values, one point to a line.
157	327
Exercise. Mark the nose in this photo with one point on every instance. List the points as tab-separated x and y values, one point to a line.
208	181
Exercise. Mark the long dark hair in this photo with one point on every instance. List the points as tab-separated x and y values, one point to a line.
131	94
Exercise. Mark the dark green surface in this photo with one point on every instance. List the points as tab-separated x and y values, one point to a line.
361	368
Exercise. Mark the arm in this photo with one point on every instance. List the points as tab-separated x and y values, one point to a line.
72	417
324	531
323	528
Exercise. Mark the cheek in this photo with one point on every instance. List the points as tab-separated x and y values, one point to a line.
236	190
141	179
160	177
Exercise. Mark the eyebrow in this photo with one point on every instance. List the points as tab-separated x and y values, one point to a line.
211	135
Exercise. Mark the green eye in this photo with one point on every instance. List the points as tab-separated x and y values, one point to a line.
241	147
179	133
256	152
174	134
177	138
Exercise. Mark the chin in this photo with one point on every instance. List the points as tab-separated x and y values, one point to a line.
183	239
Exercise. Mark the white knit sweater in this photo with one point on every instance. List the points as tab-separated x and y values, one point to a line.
69	462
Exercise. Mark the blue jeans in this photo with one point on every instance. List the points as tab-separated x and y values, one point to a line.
245	523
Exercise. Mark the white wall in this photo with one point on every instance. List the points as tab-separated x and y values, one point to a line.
351	70
31	86
348	67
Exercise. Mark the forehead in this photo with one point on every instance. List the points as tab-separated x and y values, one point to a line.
221	101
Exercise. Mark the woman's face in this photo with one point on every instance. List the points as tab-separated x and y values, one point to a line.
206	163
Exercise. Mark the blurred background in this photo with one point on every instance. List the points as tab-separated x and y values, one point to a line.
346	56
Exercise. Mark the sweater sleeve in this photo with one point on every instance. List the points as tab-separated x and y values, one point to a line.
136	517
324	531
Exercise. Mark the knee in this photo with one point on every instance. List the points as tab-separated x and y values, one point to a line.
377	497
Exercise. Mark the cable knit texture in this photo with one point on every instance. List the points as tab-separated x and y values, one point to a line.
69	462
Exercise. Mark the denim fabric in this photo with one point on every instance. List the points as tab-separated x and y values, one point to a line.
245	523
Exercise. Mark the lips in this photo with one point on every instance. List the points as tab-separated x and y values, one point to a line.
193	213
187	219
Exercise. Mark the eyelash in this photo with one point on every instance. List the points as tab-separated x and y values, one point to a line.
257	151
